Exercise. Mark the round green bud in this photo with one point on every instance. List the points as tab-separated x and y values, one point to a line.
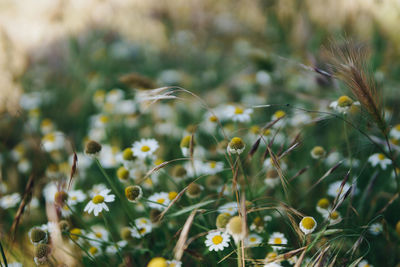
193	190
37	235
222	220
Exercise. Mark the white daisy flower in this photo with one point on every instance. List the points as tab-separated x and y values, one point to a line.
143	227
217	241
237	113
98	233
300	119
75	197
10	201
395	132
236	146
307	225
230	208
97	204
343	104
323	206
53	141
334	189
213	167
333	217
144	148
279	114
252	240
227	189
65	211
375	228
364	263
96	189
114	96
277	239
269	164
257	225
159	201
379	159
113	249
108	156
94	250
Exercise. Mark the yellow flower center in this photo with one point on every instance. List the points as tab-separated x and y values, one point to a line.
144	221
93	250
278	241
236	143
238	110
98	235
74	198
49	137
217	239
213	164
142	231
381	156
161	200
279	114
318	151
46	123
323	203
344	101
267	132
103	119
397	127
308	223
98	199
172	195
213	118
74	232
253	239
145	148
158	161
185	142
127	154
334	215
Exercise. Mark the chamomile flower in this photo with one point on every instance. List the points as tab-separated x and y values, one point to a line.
379	159
98	233
230	208
113	249
323	205
53	141
272	178
270	164
133	193
236	146
237	113
213	167
279	114
364	263
10	201
94	250
144	148
159	201
96	189
318	152
257	225
75	197
143	227
217	241
235	228
333	217
334	189
395	132
277	241
375	228
307	225
98	202
252	240
343	104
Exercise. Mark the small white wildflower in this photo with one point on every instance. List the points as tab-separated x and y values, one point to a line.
277	239
144	148
97	204
379	159
217	241
307	225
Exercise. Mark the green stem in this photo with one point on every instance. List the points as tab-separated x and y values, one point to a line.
3	255
114	188
112	237
239	255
